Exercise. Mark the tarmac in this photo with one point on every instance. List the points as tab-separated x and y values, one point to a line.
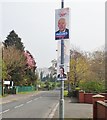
14	97
72	109
75	111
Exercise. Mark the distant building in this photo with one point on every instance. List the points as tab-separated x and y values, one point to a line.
44	71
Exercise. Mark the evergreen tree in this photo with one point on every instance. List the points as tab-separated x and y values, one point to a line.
14	40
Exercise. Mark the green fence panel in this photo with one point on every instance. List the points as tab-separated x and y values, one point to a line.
24	88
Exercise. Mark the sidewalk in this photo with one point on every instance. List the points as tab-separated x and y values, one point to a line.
75	110
16	97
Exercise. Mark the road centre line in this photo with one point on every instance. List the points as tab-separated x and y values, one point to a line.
37	98
29	101
33	99
5	111
19	106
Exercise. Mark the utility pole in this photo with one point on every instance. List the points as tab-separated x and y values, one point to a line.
61	109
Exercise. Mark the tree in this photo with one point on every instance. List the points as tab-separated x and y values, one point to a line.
14	40
106	70
0	60
15	63
30	62
53	70
19	65
41	75
97	65
30	78
4	71
78	67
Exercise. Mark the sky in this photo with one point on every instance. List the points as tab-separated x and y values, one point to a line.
34	22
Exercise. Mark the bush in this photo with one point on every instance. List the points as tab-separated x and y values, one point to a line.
92	86
65	93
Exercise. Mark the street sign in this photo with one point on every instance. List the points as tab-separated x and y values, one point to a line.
6	82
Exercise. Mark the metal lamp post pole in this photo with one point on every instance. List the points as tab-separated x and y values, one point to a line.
61	112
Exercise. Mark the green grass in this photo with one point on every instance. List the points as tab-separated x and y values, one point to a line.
5	95
27	92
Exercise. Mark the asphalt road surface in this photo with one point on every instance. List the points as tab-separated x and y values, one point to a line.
36	106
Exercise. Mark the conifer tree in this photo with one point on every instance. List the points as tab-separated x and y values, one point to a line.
14	40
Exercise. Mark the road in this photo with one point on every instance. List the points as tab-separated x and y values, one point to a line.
36	106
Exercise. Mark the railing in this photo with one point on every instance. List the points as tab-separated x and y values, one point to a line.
24	88
18	89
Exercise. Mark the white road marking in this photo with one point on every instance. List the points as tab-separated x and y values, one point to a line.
53	111
5	111
18	106
37	98
29	101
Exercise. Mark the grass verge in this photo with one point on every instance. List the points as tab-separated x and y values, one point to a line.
27	92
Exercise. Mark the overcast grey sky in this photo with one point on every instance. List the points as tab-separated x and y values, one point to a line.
34	22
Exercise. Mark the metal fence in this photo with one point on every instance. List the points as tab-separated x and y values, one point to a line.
24	89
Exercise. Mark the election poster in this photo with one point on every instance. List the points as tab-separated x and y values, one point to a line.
62	24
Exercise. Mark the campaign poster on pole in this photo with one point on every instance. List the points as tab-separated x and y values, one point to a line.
62	24
63	69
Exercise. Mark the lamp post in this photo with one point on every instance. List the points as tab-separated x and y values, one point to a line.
61	112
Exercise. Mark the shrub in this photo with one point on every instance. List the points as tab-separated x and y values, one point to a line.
92	86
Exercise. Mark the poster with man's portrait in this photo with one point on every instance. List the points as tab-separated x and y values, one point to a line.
62	24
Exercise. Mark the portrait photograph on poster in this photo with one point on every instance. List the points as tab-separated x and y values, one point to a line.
66	58
62	24
62	75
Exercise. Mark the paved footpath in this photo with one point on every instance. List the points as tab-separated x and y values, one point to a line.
75	110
